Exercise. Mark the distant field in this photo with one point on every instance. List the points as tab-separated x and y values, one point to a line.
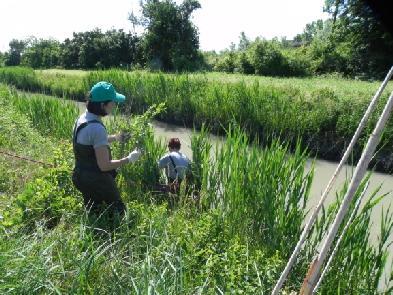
341	86
65	72
338	85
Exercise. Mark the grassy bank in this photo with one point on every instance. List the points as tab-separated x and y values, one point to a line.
324	112
236	240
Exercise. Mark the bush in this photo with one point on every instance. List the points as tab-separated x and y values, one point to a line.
46	198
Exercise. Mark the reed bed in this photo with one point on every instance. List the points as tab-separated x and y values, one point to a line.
52	116
235	238
324	112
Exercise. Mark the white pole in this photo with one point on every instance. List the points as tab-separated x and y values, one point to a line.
314	215
341	237
360	170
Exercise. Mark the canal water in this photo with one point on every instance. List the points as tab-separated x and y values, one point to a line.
323	171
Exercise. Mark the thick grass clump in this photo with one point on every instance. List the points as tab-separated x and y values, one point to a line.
20	77
54	83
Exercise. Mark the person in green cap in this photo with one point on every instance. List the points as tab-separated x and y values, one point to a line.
95	170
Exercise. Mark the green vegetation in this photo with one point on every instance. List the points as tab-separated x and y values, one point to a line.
234	230
352	43
17	135
235	239
324	112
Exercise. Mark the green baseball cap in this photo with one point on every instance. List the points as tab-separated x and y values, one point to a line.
103	91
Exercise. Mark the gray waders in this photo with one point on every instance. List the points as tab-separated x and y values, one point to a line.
98	188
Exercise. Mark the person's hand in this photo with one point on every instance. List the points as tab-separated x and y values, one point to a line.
134	156
123	136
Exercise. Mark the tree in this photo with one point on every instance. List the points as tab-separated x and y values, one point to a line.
2	58
15	52
267	58
244	42
171	41
94	49
245	65
310	32
370	46
41	53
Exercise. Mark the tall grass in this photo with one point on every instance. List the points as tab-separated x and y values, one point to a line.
361	264
261	193
55	83
53	117
22	78
252	207
324	116
18	136
323	111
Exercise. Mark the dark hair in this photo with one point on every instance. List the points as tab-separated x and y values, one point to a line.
96	107
174	143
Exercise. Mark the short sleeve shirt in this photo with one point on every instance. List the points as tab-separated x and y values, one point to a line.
93	134
181	161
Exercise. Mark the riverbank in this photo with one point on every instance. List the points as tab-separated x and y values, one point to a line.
252	208
323	113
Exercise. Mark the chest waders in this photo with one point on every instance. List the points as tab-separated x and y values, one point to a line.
174	183
96	186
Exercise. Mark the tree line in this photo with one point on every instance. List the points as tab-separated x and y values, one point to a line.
352	43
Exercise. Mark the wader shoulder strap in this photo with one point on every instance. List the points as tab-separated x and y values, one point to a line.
174	165
81	126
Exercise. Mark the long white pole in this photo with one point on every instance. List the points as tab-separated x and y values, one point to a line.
314	215
360	171
359	200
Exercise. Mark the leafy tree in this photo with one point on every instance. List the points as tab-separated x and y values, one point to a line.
2	58
94	49
369	45
15	52
310	32
245	65
227	62
69	53
171	41
41	53
210	59
244	42
267	58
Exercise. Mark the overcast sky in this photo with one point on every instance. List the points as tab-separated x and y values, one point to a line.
219	21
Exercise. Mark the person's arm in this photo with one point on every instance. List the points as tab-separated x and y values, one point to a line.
103	162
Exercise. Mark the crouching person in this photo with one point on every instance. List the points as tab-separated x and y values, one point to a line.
176	165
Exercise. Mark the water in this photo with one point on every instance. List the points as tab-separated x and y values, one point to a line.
323	171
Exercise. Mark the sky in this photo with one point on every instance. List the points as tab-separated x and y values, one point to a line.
220	22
